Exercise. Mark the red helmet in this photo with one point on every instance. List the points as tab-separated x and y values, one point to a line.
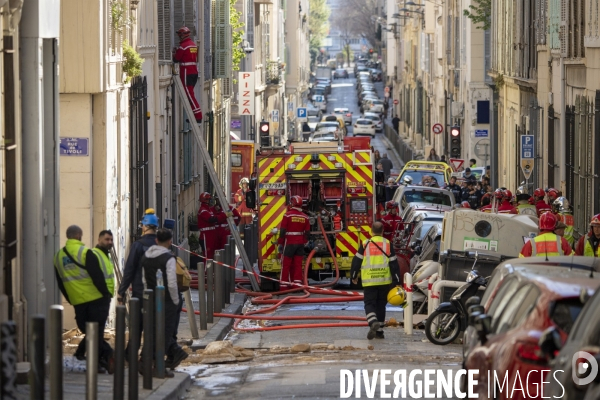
465	204
548	221
553	194
595	220
184	32
391	205
499	193
508	194
486	199
531	200
539	192
296	201
205	197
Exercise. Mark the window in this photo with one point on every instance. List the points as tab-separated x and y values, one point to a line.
526	307
492	286
483	112
507	318
503	297
236	159
564	312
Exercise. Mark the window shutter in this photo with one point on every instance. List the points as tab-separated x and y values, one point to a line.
487	49
250	23
189	16
164	30
207	40
563	32
178	14
223	40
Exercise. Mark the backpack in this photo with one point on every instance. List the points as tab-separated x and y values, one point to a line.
183	276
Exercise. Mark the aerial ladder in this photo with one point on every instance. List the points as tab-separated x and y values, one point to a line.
208	164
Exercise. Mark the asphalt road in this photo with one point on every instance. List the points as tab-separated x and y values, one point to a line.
277	373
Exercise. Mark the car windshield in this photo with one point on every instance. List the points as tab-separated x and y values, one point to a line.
328	125
426	196
417	176
313	118
324	137
372	118
364	122
378	102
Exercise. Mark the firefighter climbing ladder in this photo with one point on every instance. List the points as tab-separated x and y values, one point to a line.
219	189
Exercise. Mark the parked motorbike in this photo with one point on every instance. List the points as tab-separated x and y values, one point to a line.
450	318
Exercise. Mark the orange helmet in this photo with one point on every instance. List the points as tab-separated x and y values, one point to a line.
184	32
595	220
205	197
539	192
391	205
553	194
296	201
548	221
465	204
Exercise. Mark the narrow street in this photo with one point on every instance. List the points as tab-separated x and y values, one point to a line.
277	371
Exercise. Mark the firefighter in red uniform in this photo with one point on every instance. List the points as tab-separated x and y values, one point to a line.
540	205
547	243
506	207
240	202
486	206
222	228
207	225
186	55
392	221
293	233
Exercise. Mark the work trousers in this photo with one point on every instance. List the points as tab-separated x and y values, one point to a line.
291	270
189	78
94	311
172	316
375	298
209	240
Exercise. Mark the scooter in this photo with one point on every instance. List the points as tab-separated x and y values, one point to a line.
450	318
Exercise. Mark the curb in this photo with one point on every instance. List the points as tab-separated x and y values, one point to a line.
173	389
221	328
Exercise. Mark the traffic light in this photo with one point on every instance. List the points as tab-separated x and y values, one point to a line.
455	142
265	131
371	51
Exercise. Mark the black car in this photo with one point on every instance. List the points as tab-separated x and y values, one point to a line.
340	73
584	337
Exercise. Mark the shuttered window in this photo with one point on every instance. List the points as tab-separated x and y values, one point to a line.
250	23
554	24
222	40
488	55
165	31
207	40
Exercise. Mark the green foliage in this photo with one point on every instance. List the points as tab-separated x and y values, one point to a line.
480	13
132	62
318	22
498	82
237	53
120	18
193	242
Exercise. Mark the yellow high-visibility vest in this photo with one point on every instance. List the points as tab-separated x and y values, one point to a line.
546	244
77	282
107	269
375	270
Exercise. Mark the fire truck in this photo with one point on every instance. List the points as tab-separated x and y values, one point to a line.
335	181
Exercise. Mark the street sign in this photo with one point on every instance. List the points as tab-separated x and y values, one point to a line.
481	133
456	163
437	128
74	146
318	98
395	101
527	155
290	106
275	116
301	112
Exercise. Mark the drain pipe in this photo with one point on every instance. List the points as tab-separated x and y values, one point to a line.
563	126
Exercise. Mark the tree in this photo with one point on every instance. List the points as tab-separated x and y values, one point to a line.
359	16
481	13
340	24
318	23
237	53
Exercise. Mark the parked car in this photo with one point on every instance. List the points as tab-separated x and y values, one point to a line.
534	296
435	198
345	113
313	121
323	136
330	126
312	110
375	106
364	126
340	73
376	120
325	82
336	118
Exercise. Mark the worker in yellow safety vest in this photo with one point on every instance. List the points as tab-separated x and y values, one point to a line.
560	208
378	267
87	283
547	243
587	245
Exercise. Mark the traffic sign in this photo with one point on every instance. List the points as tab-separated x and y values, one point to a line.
395	101
301	112
456	163
437	128
527	155
275	116
318	98
481	133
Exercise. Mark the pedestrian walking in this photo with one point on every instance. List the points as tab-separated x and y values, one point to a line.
386	164
87	283
132	274
293	234
396	123
186	55
160	258
376	265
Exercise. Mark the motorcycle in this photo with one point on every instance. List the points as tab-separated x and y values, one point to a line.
450	318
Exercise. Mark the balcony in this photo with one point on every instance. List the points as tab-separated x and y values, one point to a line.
273	76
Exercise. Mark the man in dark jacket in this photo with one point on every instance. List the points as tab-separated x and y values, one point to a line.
455	189
132	274
387	165
159	258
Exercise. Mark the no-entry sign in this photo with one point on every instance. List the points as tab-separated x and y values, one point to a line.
437	128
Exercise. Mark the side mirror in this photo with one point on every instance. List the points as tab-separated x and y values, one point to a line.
476	308
472	317
483	324
251	199
252	184
472	301
550	342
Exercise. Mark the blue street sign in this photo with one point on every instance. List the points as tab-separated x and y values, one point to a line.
481	133
527	146
301	112
74	146
317	98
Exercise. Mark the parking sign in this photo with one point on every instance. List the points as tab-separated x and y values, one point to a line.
301	113
527	146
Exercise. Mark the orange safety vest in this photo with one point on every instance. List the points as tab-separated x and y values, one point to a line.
547	244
